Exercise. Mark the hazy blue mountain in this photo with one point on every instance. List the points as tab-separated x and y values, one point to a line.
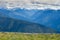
14	25
49	18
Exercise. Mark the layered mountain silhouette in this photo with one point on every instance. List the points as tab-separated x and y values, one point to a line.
29	21
14	25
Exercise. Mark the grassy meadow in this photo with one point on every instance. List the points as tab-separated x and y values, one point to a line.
26	36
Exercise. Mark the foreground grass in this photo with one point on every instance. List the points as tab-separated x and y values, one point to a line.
22	36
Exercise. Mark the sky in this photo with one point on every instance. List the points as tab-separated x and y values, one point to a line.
31	4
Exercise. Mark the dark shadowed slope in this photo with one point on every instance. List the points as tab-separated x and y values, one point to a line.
14	25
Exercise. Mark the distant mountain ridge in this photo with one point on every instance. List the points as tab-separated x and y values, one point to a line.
49	18
14	25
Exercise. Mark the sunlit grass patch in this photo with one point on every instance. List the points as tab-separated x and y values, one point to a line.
23	36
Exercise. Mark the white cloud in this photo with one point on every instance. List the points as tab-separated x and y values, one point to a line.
28	4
